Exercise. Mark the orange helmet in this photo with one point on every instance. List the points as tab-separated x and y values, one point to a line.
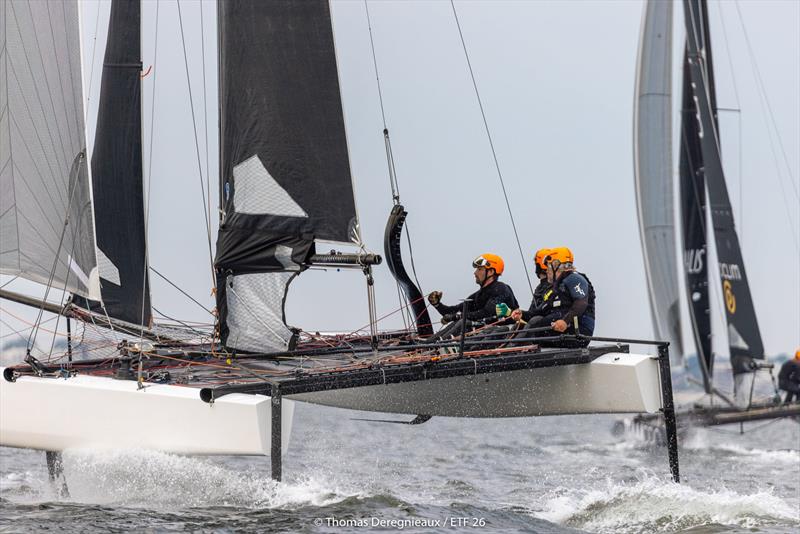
490	261
797	354
562	254
540	257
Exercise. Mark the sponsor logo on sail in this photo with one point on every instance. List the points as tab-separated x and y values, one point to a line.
730	298
730	271
694	260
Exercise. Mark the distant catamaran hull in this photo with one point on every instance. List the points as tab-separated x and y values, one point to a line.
100	412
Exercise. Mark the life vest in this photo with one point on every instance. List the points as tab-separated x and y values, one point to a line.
557	301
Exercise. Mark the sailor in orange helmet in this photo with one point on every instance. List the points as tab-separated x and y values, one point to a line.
567	304
540	260
483	303
789	378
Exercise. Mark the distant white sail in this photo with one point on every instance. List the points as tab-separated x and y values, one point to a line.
46	215
652	141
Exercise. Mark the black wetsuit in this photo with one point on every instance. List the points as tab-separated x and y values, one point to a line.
538	303
789	379
481	306
482	303
573	297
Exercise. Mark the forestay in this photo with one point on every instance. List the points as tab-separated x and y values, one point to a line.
46	219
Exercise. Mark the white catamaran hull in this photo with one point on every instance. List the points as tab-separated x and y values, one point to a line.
96	412
612	383
88	411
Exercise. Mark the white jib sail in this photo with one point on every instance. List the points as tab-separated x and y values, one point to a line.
46	215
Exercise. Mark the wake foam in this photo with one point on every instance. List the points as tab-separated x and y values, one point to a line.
652	504
154	480
699	441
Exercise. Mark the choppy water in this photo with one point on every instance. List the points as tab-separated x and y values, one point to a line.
562	474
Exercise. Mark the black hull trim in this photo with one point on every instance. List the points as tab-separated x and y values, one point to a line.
412	372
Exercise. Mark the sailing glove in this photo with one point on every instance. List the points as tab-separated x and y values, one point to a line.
449	318
502	310
435	297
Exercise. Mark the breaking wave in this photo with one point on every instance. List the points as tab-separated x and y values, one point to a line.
653	503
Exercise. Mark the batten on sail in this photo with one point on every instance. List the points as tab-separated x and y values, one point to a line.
653	170
284	170
46	213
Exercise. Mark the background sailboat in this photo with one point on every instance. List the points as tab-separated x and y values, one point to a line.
706	214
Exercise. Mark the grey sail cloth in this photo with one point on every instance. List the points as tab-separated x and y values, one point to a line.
46	216
652	140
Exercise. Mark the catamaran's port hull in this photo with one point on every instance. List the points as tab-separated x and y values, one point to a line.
84	411
612	383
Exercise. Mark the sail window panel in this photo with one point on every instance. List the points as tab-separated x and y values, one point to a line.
255	311
42	157
257	192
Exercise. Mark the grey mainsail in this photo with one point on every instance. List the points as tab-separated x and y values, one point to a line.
652	139
46	213
284	169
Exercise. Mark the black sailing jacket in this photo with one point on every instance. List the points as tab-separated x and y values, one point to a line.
482	303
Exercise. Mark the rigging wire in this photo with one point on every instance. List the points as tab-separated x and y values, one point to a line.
739	123
149	174
8	282
393	182
205	111
772	129
51	278
491	145
91	70
197	147
187	295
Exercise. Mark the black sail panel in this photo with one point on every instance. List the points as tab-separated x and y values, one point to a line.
693	210
743	332
284	166
284	169
117	171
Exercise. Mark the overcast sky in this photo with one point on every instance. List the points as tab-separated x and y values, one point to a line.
557	83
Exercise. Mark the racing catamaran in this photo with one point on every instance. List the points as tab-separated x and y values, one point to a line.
703	199
127	380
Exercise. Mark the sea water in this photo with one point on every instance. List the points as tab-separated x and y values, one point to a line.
549	474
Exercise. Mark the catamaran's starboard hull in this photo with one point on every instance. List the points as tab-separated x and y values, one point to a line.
612	383
98	412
